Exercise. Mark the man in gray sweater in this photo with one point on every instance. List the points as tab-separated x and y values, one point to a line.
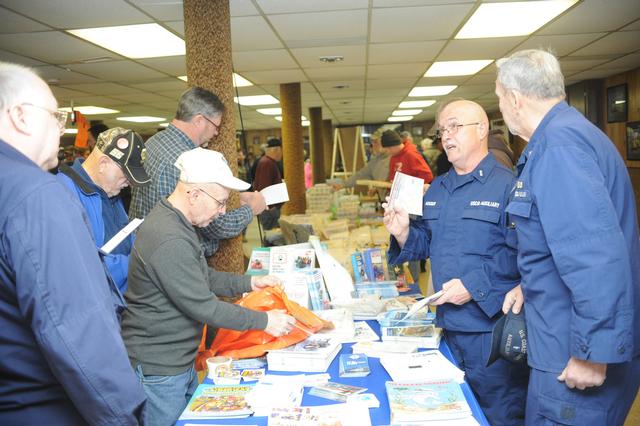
173	292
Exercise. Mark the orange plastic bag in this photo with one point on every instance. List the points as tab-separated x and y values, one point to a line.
254	343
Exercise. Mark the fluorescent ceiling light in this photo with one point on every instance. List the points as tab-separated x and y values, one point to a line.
256	100
416	104
70	131
305	123
403	118
451	68
141	119
400	112
270	111
431	91
511	19
238	80
302	117
90	110
164	124
135	41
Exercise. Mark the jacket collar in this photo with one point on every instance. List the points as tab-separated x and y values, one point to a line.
480	173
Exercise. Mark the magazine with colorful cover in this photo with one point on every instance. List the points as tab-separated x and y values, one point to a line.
373	266
218	401
357	262
259	261
427	400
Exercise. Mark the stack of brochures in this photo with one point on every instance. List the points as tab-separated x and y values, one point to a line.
378	349
438	400
428	365
218	401
335	414
335	391
275	391
419	329
311	355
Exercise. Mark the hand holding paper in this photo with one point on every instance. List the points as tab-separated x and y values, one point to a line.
120	236
406	192
421	304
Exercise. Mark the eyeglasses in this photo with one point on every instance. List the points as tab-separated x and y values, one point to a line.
222	204
60	116
452	128
214	124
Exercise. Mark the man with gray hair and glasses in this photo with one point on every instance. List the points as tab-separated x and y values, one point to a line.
62	360
197	121
573	209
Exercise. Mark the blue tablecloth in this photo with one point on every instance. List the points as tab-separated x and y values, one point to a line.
373	382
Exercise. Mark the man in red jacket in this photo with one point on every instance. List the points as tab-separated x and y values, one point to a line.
405	157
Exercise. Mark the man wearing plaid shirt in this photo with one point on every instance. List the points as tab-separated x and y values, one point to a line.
197	121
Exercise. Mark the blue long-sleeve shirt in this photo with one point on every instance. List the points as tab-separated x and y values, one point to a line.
463	231
62	360
106	215
579	250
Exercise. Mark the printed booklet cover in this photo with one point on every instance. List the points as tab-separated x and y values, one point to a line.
218	401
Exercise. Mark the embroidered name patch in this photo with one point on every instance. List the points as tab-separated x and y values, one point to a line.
493	204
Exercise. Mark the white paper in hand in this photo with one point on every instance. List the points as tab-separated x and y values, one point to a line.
406	192
275	194
120	236
421	304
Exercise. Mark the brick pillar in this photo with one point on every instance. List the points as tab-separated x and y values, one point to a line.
316	144
207	33
327	146
292	148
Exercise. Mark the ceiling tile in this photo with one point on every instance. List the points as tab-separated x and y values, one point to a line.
559	44
242	8
14	23
173	65
117	71
56	75
395	53
327	28
396	70
17	59
627	61
177	26
621	42
162	85
416	23
324	73
101	88
69	14
574	63
167	10
599	73
297	6
262	60
595	16
52	46
150	98
252	33
391	83
278	76
309	57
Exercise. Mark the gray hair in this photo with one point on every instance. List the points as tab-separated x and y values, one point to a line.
197	100
535	73
16	84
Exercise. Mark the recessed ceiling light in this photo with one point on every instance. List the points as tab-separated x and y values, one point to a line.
70	131
141	119
270	111
331	58
256	100
431	91
416	104
511	19
403	118
90	110
303	118
240	81
96	60
400	112
135	41
451	68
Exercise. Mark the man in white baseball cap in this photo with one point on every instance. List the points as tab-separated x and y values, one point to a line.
173	292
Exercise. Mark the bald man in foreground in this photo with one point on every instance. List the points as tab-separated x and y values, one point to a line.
463	230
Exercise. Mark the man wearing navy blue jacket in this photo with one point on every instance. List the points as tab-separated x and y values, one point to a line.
578	251
62	360
473	256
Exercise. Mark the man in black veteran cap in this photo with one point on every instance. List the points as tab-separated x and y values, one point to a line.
115	162
509	339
